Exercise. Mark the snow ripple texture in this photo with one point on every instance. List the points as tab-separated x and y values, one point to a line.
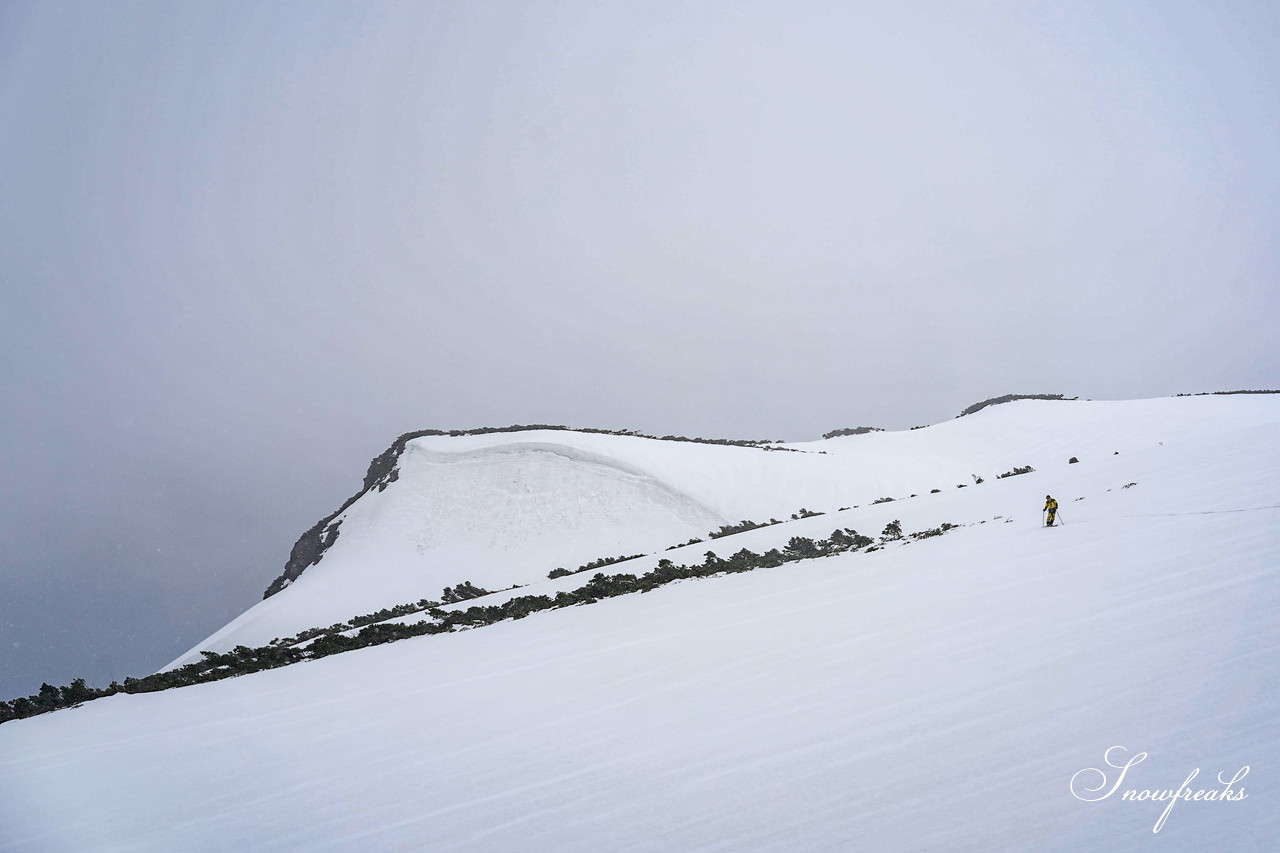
932	696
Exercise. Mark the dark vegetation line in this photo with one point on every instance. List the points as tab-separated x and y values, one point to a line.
725	530
316	643
1009	398
862	430
976	407
595	564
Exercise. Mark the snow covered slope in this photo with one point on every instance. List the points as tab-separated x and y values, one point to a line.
507	508
933	696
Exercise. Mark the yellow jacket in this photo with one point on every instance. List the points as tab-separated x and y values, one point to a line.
1051	505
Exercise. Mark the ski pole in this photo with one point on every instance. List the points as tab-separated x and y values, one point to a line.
1042	518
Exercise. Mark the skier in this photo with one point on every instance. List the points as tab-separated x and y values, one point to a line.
1051	506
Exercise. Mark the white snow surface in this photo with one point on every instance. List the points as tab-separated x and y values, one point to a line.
507	508
936	695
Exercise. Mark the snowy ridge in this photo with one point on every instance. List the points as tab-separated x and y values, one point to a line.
496	515
938	695
502	509
932	696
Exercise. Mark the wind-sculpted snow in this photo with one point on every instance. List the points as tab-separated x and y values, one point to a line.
499	509
962	692
496	516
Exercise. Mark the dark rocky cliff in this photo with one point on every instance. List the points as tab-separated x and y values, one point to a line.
311	546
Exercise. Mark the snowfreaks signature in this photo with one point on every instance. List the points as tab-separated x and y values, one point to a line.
1082	790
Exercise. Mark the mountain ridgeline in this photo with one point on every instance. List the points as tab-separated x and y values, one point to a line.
384	470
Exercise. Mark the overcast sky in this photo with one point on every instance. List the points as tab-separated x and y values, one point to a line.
245	245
